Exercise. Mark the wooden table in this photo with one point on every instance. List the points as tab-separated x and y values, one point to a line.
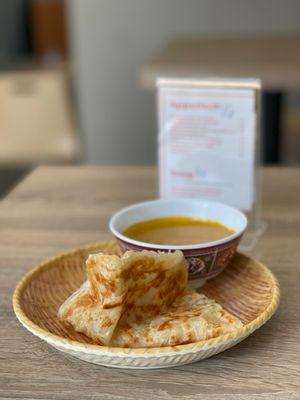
275	60
59	207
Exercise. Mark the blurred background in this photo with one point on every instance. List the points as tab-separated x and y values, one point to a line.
77	77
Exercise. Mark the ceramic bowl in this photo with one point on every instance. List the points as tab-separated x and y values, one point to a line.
205	260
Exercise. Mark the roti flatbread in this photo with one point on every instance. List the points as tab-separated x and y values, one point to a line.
131	286
96	307
141	300
191	318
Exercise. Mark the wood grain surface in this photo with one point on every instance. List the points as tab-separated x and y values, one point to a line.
275	60
56	208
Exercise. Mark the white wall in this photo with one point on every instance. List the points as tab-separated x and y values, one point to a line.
110	39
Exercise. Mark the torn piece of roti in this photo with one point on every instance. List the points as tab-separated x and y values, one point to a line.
96	307
191	318
130	287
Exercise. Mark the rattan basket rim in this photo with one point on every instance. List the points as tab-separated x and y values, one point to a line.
98	349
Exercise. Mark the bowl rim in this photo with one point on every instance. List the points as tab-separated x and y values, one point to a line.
205	245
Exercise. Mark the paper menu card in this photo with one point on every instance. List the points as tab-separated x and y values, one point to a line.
207	139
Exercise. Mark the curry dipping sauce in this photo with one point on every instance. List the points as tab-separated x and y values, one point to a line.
176	231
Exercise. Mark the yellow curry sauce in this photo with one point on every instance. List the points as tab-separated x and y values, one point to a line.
178	230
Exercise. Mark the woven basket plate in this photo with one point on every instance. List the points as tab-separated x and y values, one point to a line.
246	288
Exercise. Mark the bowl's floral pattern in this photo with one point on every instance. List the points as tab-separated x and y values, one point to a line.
204	263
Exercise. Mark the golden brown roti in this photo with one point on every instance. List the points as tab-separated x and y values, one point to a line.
96	307
142	300
132	286
191	318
